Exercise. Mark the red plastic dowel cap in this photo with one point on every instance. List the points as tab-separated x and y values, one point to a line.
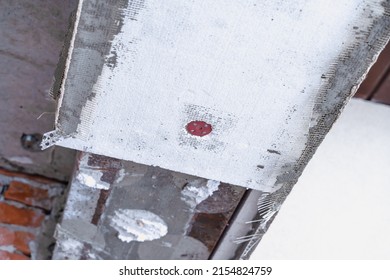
199	128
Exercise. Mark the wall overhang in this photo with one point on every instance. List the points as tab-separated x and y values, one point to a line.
265	81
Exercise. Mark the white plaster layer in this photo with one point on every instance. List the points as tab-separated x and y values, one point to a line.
251	69
81	202
71	248
138	225
196	191
121	175
70	245
89	176
89	180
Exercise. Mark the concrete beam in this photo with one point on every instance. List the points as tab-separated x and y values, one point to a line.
123	210
249	88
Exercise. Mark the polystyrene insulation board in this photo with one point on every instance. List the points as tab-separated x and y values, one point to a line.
235	91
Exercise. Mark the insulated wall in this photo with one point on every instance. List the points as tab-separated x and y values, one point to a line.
241	92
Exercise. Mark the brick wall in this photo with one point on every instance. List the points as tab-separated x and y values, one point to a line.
29	210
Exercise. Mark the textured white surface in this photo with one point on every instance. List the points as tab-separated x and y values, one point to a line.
138	225
251	69
340	208
196	192
89	180
89	176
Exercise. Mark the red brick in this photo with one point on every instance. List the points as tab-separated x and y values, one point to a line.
28	195
4	255
7	236
20	216
36	178
22	240
19	239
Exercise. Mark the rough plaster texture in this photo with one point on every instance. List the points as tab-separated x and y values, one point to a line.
138	225
270	77
146	213
195	192
339	208
32	35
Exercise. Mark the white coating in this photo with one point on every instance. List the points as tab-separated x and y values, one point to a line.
138	225
89	176
252	69
196	191
69	245
89	180
121	175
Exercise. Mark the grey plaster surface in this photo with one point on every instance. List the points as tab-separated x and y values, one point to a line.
32	35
